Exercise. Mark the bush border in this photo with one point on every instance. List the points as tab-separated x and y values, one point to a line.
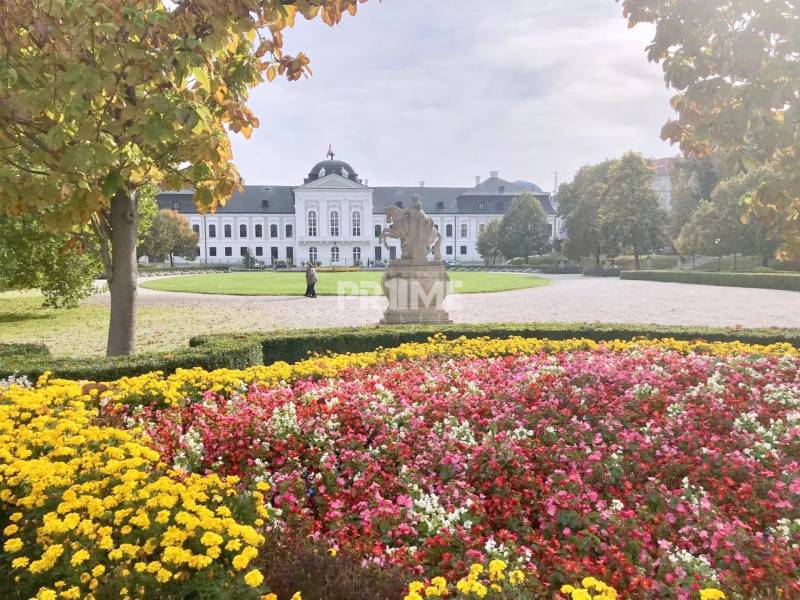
769	281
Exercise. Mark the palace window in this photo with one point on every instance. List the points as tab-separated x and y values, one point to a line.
273	231
243	230
356	256
481	205
259	251
334	223
176	205
356	224
228	231
289	231
212	231
243	252
228	251
311	224
378	231
463	249
196	228
312	254
259	231
448	250
481	227
334	255
448	230
464	230
212	251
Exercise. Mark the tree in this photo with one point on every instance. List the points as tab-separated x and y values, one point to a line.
693	180
170	234
489	242
524	230
63	266
631	216
734	66
100	98
579	205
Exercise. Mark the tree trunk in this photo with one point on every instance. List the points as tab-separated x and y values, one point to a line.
122	285
765	261
597	259
693	260
735	263
636	259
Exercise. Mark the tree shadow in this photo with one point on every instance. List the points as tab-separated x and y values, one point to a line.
18	318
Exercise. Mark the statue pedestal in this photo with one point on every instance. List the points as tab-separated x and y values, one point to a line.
416	293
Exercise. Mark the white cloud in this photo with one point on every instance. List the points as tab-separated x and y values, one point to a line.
414	90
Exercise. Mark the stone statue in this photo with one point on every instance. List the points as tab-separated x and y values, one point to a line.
414	285
416	231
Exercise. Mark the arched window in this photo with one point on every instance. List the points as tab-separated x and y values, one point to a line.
356	224
312	254
311	223
356	256
273	231
334	254
378	231
212	231
259	231
335	223
289	230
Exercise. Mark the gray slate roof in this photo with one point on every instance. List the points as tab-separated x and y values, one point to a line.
279	199
273	199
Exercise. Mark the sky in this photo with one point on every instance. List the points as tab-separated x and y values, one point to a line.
443	90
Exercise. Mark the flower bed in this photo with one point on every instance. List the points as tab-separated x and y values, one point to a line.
661	468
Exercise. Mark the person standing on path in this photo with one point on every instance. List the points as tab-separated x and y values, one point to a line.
311	281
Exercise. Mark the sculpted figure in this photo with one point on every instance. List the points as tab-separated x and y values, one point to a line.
416	231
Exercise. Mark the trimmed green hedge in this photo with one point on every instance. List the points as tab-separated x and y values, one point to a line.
291	346
231	352
772	281
237	351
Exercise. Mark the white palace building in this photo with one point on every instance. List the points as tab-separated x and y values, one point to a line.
336	218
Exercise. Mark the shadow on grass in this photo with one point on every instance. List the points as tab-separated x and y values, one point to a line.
18	318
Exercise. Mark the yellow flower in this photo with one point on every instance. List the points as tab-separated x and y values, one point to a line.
254	578
712	594
13	545
80	557
98	570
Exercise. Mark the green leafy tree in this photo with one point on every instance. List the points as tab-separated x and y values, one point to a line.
170	235
631	216
693	180
524	230
579	205
101	98
489	242
63	266
734	66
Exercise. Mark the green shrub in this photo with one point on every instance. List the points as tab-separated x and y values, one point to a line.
237	351
773	281
231	352
291	346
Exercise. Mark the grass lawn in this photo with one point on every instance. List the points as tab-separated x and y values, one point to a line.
330	284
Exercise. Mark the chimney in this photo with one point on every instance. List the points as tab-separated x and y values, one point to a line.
477	180
494	174
421	184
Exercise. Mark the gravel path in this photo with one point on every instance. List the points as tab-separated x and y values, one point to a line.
567	298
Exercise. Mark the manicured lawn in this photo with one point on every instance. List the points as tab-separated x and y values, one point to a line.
330	284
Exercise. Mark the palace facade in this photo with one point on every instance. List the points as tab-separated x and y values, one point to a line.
336	218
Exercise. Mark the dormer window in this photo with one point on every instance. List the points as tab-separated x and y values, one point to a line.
345	174
502	189
440	206
265	203
481	205
322	172
399	204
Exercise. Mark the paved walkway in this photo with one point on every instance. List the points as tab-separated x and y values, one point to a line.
567	298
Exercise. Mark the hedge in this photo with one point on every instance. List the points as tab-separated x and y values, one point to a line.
232	352
291	346
237	351
772	281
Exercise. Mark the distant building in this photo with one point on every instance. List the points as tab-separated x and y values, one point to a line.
663	179
335	218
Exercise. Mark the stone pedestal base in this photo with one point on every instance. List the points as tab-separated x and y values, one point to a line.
415	292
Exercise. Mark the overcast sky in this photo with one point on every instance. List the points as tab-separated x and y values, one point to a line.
443	90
